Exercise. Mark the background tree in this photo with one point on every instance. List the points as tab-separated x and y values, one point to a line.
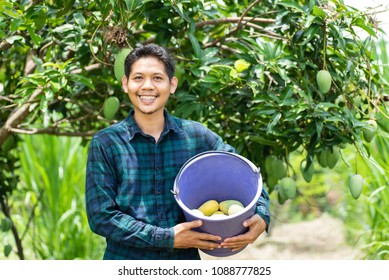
247	69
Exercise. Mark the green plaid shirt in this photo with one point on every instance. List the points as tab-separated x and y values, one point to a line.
129	182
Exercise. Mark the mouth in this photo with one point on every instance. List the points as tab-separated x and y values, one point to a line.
147	98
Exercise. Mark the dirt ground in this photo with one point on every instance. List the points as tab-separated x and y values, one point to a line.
319	239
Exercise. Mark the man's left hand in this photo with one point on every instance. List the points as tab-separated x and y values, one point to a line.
256	227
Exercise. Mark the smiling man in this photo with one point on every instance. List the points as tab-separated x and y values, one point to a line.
132	166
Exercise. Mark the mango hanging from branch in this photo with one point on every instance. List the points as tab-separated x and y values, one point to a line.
356	185
324	80
111	107
119	63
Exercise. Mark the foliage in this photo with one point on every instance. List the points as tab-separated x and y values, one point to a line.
53	175
247	69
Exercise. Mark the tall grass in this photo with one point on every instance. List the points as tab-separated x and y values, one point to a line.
52	177
377	174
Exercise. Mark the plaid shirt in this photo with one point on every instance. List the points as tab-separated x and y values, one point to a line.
129	182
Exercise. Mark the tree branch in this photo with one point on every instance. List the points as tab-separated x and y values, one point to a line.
52	131
233	20
5	46
6	211
23	111
239	26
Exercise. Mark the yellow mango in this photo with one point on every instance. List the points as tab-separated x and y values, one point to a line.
209	207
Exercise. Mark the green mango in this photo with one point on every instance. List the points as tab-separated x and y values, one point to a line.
271	182
323	79
7	250
281	196
382	120
332	157
355	185
269	163
307	171
118	66
226	204
288	187
322	158
370	131
6	224
278	168
111	107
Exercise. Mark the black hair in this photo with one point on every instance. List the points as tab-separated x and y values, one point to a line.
150	50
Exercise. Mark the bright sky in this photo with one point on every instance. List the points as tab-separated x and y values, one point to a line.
378	5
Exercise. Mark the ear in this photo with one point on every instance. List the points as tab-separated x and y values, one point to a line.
125	84
173	85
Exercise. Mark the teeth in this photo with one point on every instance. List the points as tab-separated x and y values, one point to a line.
148	97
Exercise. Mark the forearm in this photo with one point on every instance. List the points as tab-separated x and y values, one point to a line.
124	229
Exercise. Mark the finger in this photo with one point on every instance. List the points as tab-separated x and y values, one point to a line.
252	220
192	224
234	244
207	245
207	236
236	239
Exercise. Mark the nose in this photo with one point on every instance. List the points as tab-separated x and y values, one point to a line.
147	84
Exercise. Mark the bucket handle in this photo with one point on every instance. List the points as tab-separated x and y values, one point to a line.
175	192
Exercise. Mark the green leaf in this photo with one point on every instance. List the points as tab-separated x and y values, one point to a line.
67	7
15	24
196	45
241	65
82	80
79	19
291	4
39	19
210	79
179	9
261	140
131	5
312	31
362	24
34	37
7	9
276	118
11	40
317	11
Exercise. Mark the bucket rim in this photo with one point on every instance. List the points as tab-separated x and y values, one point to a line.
255	169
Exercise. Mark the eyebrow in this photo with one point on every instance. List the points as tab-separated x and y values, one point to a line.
155	73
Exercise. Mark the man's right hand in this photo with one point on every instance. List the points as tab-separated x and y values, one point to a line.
185	237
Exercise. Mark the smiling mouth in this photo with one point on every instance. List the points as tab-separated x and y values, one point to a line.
148	98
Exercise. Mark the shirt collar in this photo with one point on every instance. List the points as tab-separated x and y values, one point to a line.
133	127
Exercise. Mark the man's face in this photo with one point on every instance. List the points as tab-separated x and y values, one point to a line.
148	86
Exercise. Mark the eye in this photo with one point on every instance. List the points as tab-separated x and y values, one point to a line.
137	78
158	78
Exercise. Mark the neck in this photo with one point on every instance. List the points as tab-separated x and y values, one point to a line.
151	124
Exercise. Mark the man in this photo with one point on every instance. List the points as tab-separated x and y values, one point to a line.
132	166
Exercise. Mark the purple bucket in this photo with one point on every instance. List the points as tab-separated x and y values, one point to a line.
220	176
